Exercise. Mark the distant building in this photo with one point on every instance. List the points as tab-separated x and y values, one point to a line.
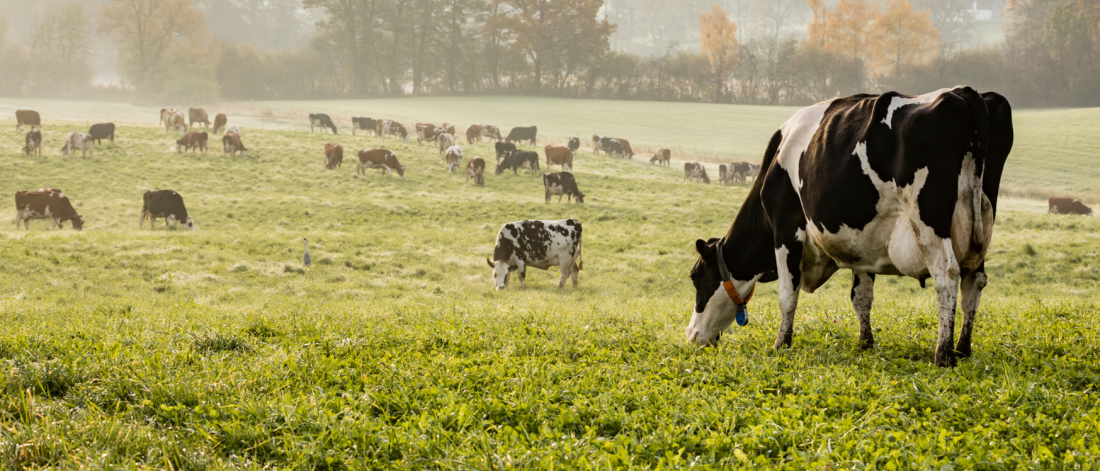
983	10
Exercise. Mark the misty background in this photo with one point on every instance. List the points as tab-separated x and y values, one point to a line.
1036	52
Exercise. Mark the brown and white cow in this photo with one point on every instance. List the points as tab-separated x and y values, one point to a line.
233	130
454	158
175	121
696	171
427	132
164	114
473	133
219	122
379	158
191	141
558	155
46	203
1058	205
231	144
662	157
28	117
448	128
334	155
77	140
475	168
198	115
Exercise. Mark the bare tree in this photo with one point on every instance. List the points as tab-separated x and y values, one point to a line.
61	50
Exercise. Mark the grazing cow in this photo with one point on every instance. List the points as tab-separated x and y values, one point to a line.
445	142
220	120
33	143
27	117
574	144
362	124
427	132
393	128
473	133
448	128
454	158
519	134
662	157
165	204
197	115
46	203
491	132
879	184
322	121
475	168
557	155
233	130
175	121
696	171
726	173
518	159
561	184
503	148
231	144
191	141
334	155
1067	206
625	149
102	131
164	114
611	146
539	244
743	170
379	158
597	143
77	140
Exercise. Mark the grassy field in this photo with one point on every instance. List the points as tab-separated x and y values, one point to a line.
216	348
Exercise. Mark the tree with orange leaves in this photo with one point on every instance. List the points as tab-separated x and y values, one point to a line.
718	38
908	36
852	32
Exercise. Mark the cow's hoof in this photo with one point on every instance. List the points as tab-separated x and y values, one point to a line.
945	358
963	351
866	343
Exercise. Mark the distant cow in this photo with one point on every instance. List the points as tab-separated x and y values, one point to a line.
197	115
427	132
611	146
45	204
557	155
726	174
518	159
574	144
102	131
519	134
191	141
362	124
164	114
175	121
454	158
627	150
393	128
473	133
561	184
1067	206
231	144
233	130
77	140
490	131
33	143
322	121
448	128
379	158
165	204
334	155
475	168
503	148
445	142
662	157
539	244
695	171
29	118
220	120
597	143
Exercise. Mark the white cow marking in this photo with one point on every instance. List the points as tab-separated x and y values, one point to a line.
898	102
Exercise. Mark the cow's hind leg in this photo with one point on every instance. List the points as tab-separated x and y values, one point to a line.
863	294
972	285
566	267
944	269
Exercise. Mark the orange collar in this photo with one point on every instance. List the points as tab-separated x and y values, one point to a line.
727	282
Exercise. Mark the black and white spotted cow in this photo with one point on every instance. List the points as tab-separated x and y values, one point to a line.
878	184
539	244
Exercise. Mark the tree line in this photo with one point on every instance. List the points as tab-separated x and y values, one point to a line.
761	52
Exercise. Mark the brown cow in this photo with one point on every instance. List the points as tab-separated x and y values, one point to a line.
191	141
696	171
47	203
231	144
334	155
379	158
476	168
473	133
77	140
662	157
219	122
28	117
625	144
448	128
175	121
558	155
198	115
1058	205
454	158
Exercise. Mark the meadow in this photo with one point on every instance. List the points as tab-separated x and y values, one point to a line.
216	349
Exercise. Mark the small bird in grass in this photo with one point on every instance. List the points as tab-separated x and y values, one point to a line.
305	255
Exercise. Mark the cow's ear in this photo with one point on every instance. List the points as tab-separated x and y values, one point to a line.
703	249
490	263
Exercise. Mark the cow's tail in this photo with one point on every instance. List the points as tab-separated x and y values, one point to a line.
580	239
979	148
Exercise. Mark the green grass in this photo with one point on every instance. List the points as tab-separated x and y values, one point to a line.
128	348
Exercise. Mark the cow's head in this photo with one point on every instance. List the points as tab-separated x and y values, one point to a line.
189	224
401	171
715	308
78	222
501	272
706	179
500	169
580	196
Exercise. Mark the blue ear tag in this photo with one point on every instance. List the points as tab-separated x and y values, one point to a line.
742	315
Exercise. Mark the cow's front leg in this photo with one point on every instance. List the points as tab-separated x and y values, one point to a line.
788	260
945	271
972	285
863	294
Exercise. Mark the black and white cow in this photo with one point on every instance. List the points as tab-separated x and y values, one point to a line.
503	148
561	184
539	244
362	124
322	121
102	131
878	184
165	204
574	144
518	159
